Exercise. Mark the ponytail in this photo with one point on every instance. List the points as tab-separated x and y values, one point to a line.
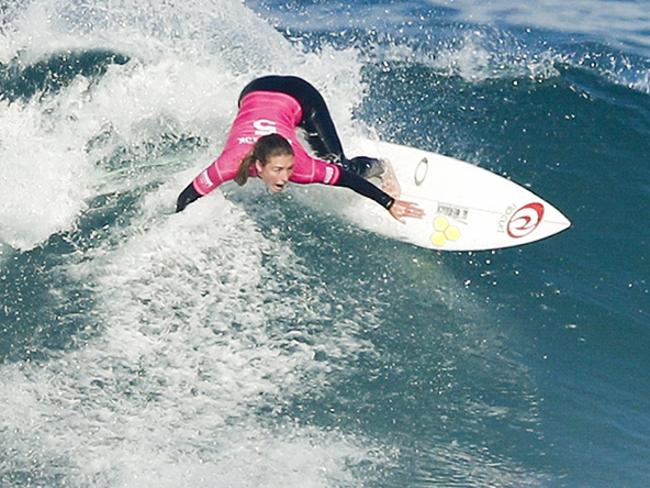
265	148
244	168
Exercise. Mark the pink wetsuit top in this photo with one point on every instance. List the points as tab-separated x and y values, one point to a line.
261	113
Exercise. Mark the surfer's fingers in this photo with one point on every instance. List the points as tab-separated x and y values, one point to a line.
402	209
412	210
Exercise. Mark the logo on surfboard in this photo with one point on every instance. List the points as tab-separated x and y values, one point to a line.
444	231
421	171
525	220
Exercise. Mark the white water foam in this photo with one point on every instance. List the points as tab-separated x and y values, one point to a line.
202	333
44	174
183	78
204	330
481	54
194	345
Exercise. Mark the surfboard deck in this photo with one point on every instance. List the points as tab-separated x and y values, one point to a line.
467	208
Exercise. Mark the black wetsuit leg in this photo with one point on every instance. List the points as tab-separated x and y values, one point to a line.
316	121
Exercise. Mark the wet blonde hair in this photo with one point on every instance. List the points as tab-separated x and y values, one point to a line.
264	149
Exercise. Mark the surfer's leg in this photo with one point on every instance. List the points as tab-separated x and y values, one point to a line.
365	166
318	124
322	136
316	119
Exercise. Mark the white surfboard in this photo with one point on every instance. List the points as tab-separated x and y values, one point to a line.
467	208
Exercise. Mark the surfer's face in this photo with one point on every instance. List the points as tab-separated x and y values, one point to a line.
276	172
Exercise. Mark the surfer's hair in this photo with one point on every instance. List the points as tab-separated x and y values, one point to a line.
263	150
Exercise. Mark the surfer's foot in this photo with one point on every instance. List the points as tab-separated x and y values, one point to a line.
389	181
377	171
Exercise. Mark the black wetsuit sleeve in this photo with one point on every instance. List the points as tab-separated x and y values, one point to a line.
365	188
187	196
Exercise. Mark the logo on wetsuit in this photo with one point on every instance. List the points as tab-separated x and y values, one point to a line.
329	174
263	127
204	178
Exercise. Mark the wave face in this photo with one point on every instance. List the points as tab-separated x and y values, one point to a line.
259	340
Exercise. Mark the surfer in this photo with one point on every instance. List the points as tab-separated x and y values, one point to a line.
263	143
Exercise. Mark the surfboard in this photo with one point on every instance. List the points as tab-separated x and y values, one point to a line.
467	208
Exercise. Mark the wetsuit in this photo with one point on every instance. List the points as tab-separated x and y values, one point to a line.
280	104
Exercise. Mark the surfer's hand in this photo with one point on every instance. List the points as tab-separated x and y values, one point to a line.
401	209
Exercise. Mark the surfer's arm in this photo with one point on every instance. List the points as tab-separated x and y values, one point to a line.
200	186
222	169
397	208
332	174
187	196
314	170
363	187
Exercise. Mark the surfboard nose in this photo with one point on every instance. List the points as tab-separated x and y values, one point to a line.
554	221
564	222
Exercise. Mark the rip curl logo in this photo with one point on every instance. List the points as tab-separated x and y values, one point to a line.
525	220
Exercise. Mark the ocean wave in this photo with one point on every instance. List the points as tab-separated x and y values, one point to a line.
191	350
472	41
20	81
620	22
481	54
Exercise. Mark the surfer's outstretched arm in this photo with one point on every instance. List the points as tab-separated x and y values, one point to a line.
351	180
187	196
397	208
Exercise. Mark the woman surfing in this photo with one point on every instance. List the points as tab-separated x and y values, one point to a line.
263	143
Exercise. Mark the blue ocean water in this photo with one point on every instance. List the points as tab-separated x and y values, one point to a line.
269	341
